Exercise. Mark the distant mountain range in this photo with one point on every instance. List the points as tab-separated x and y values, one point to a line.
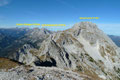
14	38
115	39
9	37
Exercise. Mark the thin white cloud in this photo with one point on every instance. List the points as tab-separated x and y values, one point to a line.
4	2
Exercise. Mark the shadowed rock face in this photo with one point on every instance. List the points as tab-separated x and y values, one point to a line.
50	63
83	49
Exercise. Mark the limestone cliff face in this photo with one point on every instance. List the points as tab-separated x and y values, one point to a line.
83	49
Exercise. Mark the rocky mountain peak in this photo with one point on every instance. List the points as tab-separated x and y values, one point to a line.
82	45
85	25
83	49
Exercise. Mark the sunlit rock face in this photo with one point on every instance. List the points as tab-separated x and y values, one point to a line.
83	49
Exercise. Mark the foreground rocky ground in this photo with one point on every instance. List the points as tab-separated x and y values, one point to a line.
41	73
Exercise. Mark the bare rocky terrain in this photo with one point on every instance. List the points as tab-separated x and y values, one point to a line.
83	52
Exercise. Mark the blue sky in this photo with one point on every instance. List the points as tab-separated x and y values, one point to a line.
61	12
